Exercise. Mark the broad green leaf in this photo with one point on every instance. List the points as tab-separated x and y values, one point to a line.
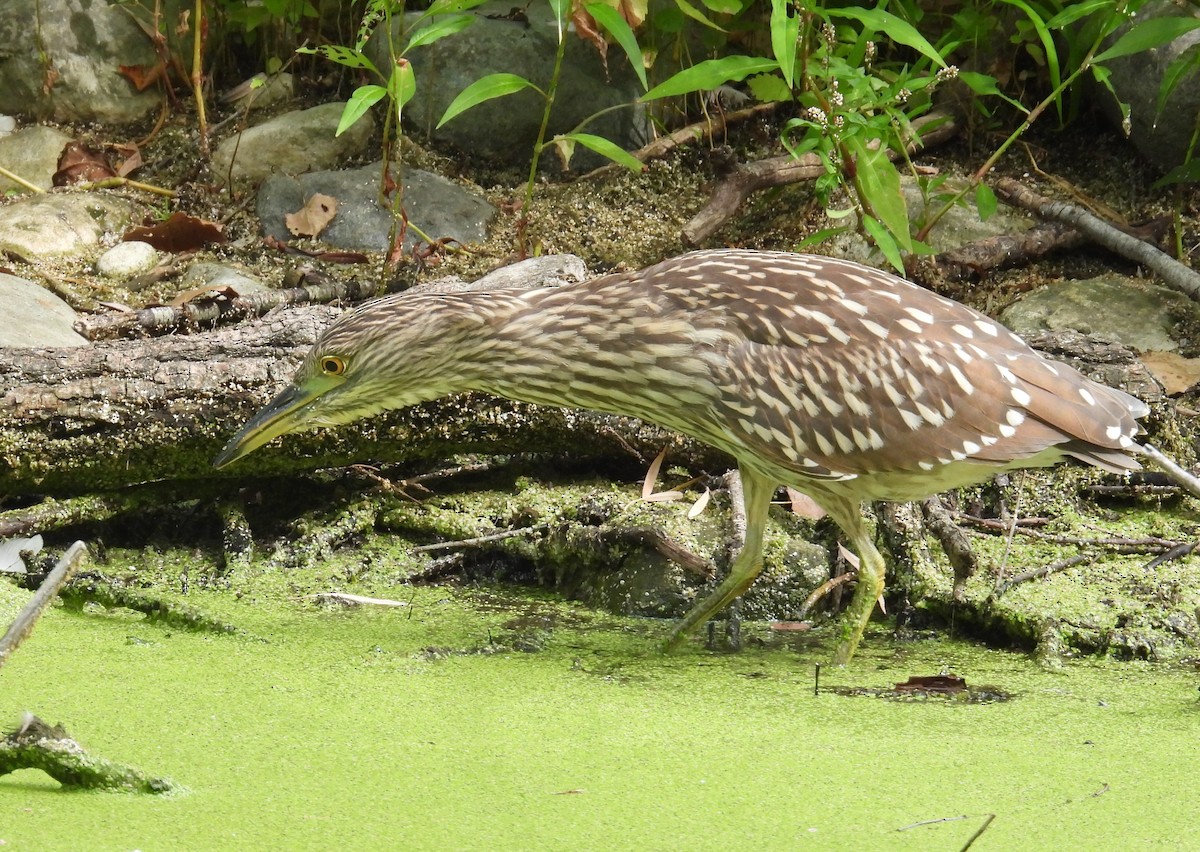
363	98
725	7
785	32
768	88
1074	11
885	242
985	201
605	148
485	89
878	181
1189	172
446	7
403	83
347	56
985	84
818	237
710	74
614	22
1148	34
897	29
1178	71
440	28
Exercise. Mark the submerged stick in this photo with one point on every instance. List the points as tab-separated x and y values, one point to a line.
23	624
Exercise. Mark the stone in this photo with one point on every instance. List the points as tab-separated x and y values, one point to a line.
125	260
33	316
62	225
31	154
291	144
437	206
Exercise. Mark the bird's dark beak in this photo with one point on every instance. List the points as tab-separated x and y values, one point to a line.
285	413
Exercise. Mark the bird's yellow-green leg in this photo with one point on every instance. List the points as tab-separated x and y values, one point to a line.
867	589
757	491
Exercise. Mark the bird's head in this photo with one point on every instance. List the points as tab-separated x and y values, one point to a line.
388	354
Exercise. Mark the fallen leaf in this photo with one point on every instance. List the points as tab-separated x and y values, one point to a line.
312	218
179	233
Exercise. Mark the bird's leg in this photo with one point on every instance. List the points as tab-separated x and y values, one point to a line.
867	589
757	491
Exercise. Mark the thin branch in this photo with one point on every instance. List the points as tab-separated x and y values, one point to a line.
23	624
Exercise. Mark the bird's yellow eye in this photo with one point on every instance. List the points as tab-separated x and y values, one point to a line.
332	365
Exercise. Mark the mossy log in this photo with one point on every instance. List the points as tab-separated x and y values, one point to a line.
122	412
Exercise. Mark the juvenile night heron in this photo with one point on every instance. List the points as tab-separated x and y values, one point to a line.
843	381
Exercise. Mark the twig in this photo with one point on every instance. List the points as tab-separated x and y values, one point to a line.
1044	571
23	624
1172	469
348	599
824	589
478	540
20	181
705	129
978	832
745	180
165	318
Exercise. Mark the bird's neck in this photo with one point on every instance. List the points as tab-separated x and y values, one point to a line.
556	349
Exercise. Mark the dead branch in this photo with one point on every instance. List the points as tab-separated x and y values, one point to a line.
1172	272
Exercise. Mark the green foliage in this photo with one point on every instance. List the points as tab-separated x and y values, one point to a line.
855	77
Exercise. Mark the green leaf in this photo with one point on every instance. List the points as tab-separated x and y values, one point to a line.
985	201
347	56
1189	172
562	10
878	181
363	98
710	74
485	89
785	33
985	84
885	242
1148	34
818	237
1047	39
1074	11
767	88
605	148
1179	69
614	22
440	28
403	84
897	29
696	15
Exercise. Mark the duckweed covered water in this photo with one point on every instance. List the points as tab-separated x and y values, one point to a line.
375	729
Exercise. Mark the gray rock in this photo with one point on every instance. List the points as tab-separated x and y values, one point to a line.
85	43
57	225
1161	138
506	128
262	90
291	144
125	260
437	206
1139	315
220	275
33	316
31	154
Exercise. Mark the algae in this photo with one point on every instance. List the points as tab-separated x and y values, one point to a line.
438	726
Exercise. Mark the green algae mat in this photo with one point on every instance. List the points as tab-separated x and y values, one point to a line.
467	720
